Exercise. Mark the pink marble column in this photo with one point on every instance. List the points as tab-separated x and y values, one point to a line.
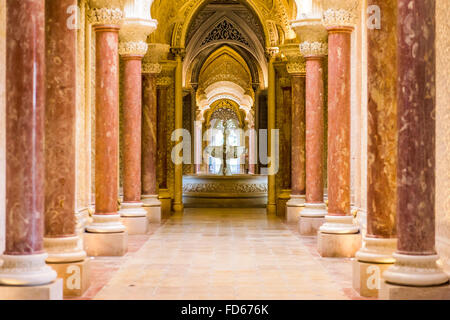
106	217
314	204
24	256
339	219
416	99
149	131
61	239
132	124
298	186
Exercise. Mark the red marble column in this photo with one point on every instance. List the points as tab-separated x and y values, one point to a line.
416	99
25	105
339	219
149	132
314	205
106	129
380	240
132	105
298	186
61	240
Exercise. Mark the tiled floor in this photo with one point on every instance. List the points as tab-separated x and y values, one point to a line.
222	254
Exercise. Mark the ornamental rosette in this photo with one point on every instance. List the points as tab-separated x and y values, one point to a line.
105	16
134	48
313	49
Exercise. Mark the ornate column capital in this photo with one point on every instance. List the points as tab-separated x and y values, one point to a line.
178	52
272	52
313	49
164	81
105	16
133	48
295	62
340	13
155	54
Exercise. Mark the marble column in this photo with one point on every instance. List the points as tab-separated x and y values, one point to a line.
271	101
106	26
339	219
178	178
149	142
415	258
380	241
24	256
296	68
61	239
315	208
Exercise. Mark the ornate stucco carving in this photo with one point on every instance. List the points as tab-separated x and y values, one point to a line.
295	62
312	49
225	188
339	18
133	48
154	68
107	16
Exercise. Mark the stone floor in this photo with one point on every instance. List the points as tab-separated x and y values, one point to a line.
221	254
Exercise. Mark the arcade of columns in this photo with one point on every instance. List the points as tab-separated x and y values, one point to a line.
44	236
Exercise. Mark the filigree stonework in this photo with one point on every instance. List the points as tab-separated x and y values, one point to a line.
108	16
138	48
313	49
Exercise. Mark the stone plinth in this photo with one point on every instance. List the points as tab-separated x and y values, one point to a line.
75	277
51	291
396	292
106	244
338	245
367	277
136	225
308	226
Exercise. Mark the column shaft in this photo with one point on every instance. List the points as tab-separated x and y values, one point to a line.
162	134
149	139
178	192
314	130
298	186
339	43
60	136
24	257
271	203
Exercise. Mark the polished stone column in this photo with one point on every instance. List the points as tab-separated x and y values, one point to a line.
339	220
61	239
271	97
149	142
315	208
339	236
296	68
24	256
415	258
178	183
106	26
380	240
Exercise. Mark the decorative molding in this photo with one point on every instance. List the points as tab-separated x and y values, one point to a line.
225	30
138	48
313	49
225	188
105	16
295	62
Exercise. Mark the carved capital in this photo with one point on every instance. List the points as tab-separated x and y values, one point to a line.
105	16
154	68
156	52
339	18
310	30
295	62
313	49
134	48
164	81
271	52
178	52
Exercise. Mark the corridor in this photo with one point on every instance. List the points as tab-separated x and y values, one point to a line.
222	254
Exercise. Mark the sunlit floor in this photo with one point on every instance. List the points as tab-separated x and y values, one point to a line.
221	254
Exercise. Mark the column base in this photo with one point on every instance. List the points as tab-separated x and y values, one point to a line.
135	225
64	250
106	244
367	277
153	207
132	209
396	292
178	207
377	250
26	270
272	209
338	245
51	291
416	271
339	225
308	226
314	210
106	224
75	277
293	208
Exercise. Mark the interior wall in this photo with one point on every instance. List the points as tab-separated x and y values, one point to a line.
2	121
443	132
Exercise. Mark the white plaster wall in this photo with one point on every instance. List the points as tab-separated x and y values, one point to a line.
2	121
